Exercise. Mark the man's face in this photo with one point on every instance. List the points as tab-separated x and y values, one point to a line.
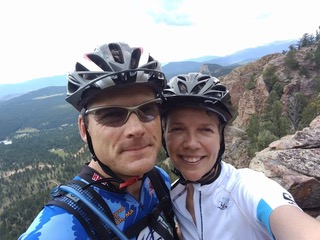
130	149
192	140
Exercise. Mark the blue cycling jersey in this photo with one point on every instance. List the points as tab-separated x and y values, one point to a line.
54	222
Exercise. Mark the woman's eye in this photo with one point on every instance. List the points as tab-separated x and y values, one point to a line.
175	129
207	130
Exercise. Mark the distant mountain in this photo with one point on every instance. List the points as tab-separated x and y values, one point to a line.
203	59
8	91
174	68
251	54
227	63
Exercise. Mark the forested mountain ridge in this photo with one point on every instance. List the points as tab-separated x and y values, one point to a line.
42	109
45	151
41	157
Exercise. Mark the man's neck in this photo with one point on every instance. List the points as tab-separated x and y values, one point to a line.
133	189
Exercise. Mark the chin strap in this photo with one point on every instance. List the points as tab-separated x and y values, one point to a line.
129	182
122	184
208	178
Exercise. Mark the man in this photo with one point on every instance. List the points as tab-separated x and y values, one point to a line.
116	89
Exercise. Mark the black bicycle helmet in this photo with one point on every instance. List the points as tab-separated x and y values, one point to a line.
199	91
110	65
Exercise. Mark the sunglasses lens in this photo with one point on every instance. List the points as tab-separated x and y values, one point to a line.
114	116
117	116
148	112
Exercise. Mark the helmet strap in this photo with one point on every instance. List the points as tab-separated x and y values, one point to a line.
208	178
104	167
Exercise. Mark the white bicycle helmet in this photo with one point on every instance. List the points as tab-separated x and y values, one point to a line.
110	65
198	90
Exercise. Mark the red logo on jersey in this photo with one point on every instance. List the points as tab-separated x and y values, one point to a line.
96	177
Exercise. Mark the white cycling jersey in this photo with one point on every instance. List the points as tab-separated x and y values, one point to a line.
237	206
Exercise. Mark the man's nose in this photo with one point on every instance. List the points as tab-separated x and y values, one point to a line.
134	126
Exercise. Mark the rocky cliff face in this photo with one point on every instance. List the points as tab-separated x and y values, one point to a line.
294	160
244	100
248	101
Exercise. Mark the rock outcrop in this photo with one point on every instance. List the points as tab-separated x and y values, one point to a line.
294	162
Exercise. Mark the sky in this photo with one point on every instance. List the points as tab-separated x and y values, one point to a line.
42	38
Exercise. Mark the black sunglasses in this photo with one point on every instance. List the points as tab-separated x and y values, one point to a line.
116	116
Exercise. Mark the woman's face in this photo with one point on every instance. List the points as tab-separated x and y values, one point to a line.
193	141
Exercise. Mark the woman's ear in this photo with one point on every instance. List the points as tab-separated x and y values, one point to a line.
82	128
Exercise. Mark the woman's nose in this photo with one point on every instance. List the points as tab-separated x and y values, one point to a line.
191	141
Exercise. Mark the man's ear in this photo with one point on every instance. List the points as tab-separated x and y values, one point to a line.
82	128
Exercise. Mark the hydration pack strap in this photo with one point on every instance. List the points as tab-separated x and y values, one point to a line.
164	206
163	194
62	202
92	211
81	204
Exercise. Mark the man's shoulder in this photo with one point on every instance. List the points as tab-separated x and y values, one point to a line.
162	172
163	175
45	224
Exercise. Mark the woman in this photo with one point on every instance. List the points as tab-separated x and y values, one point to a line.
212	199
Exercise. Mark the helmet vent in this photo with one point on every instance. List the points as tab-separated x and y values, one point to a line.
99	61
204	77
215	95
153	64
116	52
198	88
135	58
182	88
80	67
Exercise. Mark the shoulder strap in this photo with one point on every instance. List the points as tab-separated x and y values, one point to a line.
164	206
96	228
163	194
63	203
93	225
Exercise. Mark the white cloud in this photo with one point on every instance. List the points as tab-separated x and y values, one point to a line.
44	38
